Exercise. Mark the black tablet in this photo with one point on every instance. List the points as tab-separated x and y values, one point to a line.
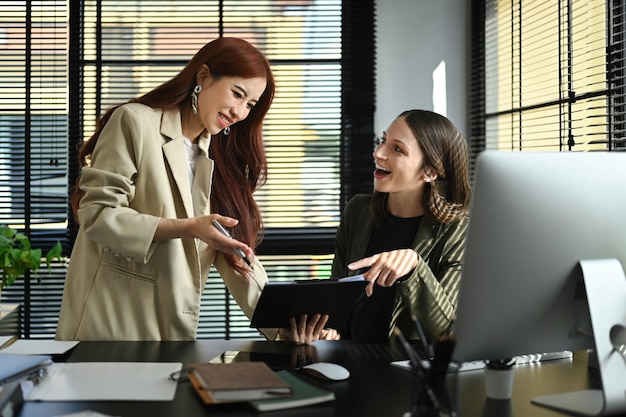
281	300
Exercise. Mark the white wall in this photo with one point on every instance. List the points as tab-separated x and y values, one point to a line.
415	40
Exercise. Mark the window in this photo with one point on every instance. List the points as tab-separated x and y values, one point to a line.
61	75
33	144
548	76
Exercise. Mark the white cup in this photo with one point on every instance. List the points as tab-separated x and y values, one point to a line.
499	381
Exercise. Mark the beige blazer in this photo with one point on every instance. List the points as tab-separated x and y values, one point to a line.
121	285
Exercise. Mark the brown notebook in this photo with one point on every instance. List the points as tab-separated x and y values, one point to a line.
237	382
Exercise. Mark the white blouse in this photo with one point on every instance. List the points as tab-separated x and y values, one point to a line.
192	152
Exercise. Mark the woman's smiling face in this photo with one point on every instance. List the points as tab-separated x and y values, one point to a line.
227	100
399	161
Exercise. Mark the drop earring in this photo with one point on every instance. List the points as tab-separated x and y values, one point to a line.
194	98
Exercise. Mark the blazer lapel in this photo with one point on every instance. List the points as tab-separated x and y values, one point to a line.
174	153
426	234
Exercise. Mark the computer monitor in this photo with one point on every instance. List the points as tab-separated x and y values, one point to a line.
533	217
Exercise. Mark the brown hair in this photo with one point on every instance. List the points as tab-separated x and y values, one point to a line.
446	152
240	160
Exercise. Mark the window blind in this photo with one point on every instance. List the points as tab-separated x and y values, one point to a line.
66	62
553	75
33	145
130	47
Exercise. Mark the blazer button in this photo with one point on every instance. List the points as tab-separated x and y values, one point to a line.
129	258
117	254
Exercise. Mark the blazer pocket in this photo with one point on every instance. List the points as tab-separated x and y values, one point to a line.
121	305
123	268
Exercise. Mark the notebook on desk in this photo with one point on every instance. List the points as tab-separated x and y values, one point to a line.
304	394
39	347
237	382
106	381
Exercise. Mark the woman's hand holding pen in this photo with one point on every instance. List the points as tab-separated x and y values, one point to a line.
386	268
211	229
225	232
306	331
206	229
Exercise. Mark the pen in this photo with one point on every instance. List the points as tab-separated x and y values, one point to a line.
427	347
223	231
414	360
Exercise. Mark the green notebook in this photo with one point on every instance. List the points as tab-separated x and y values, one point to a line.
303	394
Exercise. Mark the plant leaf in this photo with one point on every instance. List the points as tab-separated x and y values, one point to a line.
54	253
17	256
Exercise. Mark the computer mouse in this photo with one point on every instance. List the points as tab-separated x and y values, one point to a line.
326	370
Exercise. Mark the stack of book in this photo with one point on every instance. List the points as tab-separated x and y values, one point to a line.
255	383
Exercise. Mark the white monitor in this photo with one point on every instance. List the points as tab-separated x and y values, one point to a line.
533	217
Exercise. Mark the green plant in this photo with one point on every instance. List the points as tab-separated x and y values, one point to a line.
17	256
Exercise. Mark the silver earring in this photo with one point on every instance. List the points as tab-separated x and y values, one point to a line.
227	130
194	98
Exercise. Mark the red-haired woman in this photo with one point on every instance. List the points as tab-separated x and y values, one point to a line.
156	173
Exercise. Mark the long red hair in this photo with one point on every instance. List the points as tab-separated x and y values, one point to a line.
240	160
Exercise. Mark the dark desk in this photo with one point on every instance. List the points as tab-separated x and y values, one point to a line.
530	380
374	389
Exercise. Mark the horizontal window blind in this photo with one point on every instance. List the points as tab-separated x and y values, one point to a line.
65	62
140	49
33	146
553	75
130	47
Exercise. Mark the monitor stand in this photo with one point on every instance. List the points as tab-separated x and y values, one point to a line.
605	285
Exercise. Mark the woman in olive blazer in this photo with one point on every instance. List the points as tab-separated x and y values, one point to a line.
432	287
408	237
156	173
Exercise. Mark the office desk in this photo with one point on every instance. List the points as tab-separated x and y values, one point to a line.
374	388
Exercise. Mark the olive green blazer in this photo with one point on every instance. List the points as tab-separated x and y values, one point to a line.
432	289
